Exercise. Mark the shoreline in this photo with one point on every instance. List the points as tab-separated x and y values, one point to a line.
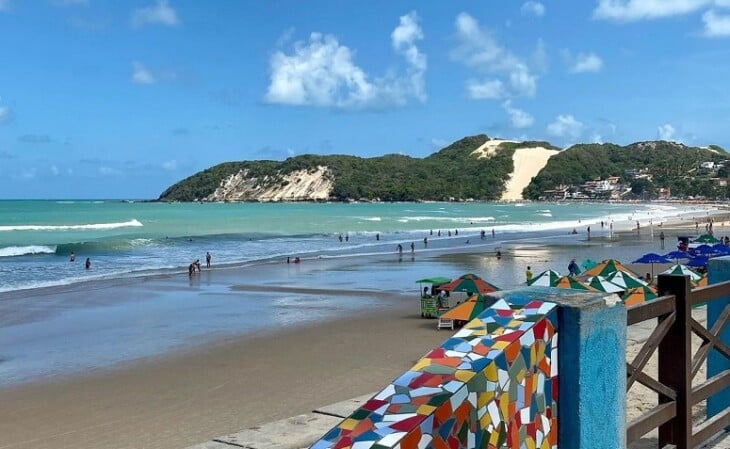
237	374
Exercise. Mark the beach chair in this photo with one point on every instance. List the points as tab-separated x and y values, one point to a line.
445	323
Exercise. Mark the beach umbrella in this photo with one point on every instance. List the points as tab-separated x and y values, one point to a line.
704	250
702	282
547	278
721	249
652	258
626	280
467	310
571	282
588	264
676	255
470	283
682	270
604	285
698	262
638	295
607	267
706	238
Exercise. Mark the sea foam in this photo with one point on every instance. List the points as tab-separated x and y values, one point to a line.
12	251
92	226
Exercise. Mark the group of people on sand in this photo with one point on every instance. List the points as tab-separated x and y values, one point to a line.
87	263
196	265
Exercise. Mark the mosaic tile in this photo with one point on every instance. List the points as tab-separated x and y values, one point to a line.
492	384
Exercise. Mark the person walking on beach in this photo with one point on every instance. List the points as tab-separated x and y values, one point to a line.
492	232
661	239
589	232
573	269
413	247
528	274
425	242
400	249
377	236
87	264
207	259
483	234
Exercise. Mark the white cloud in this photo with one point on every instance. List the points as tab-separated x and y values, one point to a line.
54	170
666	132
108	171
479	50
518	117
4	114
322	72
716	25
584	62
161	13
565	126
142	75
170	165
631	10
486	90
533	8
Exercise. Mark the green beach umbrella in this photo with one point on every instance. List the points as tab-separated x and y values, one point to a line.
706	238
625	280
547	278
604	285
682	270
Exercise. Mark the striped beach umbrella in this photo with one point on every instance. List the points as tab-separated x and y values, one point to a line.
470	283
702	282
604	285
467	310
625	280
606	268
571	282
638	295
682	270
547	278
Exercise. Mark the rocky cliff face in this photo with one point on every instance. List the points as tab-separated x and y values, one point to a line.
300	185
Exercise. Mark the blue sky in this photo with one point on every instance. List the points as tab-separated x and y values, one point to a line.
119	99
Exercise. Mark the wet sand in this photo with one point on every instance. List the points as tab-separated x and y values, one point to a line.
198	391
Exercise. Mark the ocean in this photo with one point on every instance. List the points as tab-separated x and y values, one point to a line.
134	238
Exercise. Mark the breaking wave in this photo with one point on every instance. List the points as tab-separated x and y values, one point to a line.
13	251
92	226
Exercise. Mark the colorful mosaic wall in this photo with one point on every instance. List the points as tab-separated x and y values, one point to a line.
493	384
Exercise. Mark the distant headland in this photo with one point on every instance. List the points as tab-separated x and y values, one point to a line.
474	168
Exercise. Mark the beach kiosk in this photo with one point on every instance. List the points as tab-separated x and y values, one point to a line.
429	292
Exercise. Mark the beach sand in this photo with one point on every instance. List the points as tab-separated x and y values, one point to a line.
233	382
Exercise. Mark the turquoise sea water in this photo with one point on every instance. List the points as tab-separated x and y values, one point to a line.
127	238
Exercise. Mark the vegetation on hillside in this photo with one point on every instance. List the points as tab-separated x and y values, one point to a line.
450	173
670	165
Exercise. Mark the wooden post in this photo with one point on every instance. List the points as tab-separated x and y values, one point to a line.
675	359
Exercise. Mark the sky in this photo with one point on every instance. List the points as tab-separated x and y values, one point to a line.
120	99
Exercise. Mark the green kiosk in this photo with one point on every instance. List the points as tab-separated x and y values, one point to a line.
430	301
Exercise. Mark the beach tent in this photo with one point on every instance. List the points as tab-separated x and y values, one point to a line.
652	258
626	280
706	238
588	264
547	278
470	283
607	267
571	282
638	295
682	270
604	285
467	310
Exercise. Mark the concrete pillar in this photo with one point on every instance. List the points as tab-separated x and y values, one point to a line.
591	365
718	271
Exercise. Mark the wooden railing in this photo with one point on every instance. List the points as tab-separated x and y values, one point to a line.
677	366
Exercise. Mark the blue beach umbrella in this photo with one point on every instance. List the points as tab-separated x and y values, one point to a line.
652	258
704	250
678	255
698	262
